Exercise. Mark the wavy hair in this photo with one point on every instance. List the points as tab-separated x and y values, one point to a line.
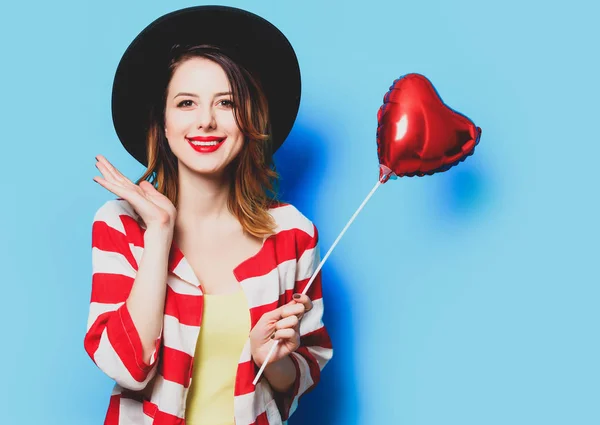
253	176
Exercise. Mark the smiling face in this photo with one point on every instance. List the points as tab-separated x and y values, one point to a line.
205	74
199	118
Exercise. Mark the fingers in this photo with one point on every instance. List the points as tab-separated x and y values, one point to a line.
108	171
272	316
285	318
288	322
304	300
291	309
108	185
109	177
116	174
118	187
285	334
148	188
114	181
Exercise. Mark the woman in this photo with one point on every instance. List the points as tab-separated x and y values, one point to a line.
197	269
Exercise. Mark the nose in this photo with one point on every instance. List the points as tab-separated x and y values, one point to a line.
206	118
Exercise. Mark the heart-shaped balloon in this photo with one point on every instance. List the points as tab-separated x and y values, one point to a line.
418	134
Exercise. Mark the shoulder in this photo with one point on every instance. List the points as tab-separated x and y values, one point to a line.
288	217
117	214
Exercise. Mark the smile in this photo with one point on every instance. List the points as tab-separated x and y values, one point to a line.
206	144
203	143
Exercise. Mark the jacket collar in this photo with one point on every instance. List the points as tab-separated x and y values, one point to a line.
179	266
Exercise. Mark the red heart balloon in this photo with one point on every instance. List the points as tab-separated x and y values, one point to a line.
418	134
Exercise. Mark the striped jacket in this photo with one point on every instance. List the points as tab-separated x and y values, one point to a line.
155	392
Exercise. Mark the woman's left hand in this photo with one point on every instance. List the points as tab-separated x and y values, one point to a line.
281	324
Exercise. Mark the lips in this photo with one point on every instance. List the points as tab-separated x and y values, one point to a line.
206	144
206	138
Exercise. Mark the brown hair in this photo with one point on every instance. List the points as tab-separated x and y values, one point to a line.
254	179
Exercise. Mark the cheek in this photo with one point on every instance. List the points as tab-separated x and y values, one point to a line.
227	122
176	120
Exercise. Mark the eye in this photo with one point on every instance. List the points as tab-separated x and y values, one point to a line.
227	103
180	104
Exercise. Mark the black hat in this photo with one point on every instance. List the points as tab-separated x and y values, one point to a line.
251	41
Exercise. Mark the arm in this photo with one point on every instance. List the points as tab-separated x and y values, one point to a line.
127	302
315	345
146	301
281	374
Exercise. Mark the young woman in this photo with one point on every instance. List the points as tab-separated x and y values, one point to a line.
197	268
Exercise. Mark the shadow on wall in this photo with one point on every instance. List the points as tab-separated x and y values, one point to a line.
464	193
334	400
465	190
301	162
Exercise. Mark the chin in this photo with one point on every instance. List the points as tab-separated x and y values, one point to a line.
207	167
208	164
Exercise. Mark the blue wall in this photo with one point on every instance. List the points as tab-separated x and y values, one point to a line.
469	297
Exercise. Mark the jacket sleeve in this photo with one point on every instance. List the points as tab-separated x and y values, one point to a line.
315	344
111	338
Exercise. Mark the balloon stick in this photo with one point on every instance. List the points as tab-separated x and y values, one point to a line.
270	353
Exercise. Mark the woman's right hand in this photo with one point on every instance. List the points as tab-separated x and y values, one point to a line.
152	206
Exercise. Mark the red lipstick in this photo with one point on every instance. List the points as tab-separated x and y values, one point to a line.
205	144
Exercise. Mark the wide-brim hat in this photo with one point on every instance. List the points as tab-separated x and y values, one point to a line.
250	40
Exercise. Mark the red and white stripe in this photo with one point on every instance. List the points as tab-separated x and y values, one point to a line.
155	392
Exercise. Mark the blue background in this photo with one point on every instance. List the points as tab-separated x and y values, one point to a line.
469	297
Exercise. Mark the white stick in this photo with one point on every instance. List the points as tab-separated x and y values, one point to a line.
270	353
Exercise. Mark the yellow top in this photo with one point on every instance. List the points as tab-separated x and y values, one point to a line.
223	333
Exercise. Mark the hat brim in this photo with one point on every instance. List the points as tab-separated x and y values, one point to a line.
256	44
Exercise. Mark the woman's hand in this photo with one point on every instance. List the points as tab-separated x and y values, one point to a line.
152	206
280	324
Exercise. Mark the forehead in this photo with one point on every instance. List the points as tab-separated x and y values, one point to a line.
201	76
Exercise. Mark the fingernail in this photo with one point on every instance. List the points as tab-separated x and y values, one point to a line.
96	158
296	296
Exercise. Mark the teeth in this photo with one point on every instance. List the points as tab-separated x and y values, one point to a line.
213	143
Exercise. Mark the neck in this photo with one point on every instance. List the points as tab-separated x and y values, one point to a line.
202	197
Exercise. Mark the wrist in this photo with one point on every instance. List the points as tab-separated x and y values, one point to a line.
281	374
258	362
271	365
274	365
159	235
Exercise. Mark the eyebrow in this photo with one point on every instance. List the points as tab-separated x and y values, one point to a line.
225	93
